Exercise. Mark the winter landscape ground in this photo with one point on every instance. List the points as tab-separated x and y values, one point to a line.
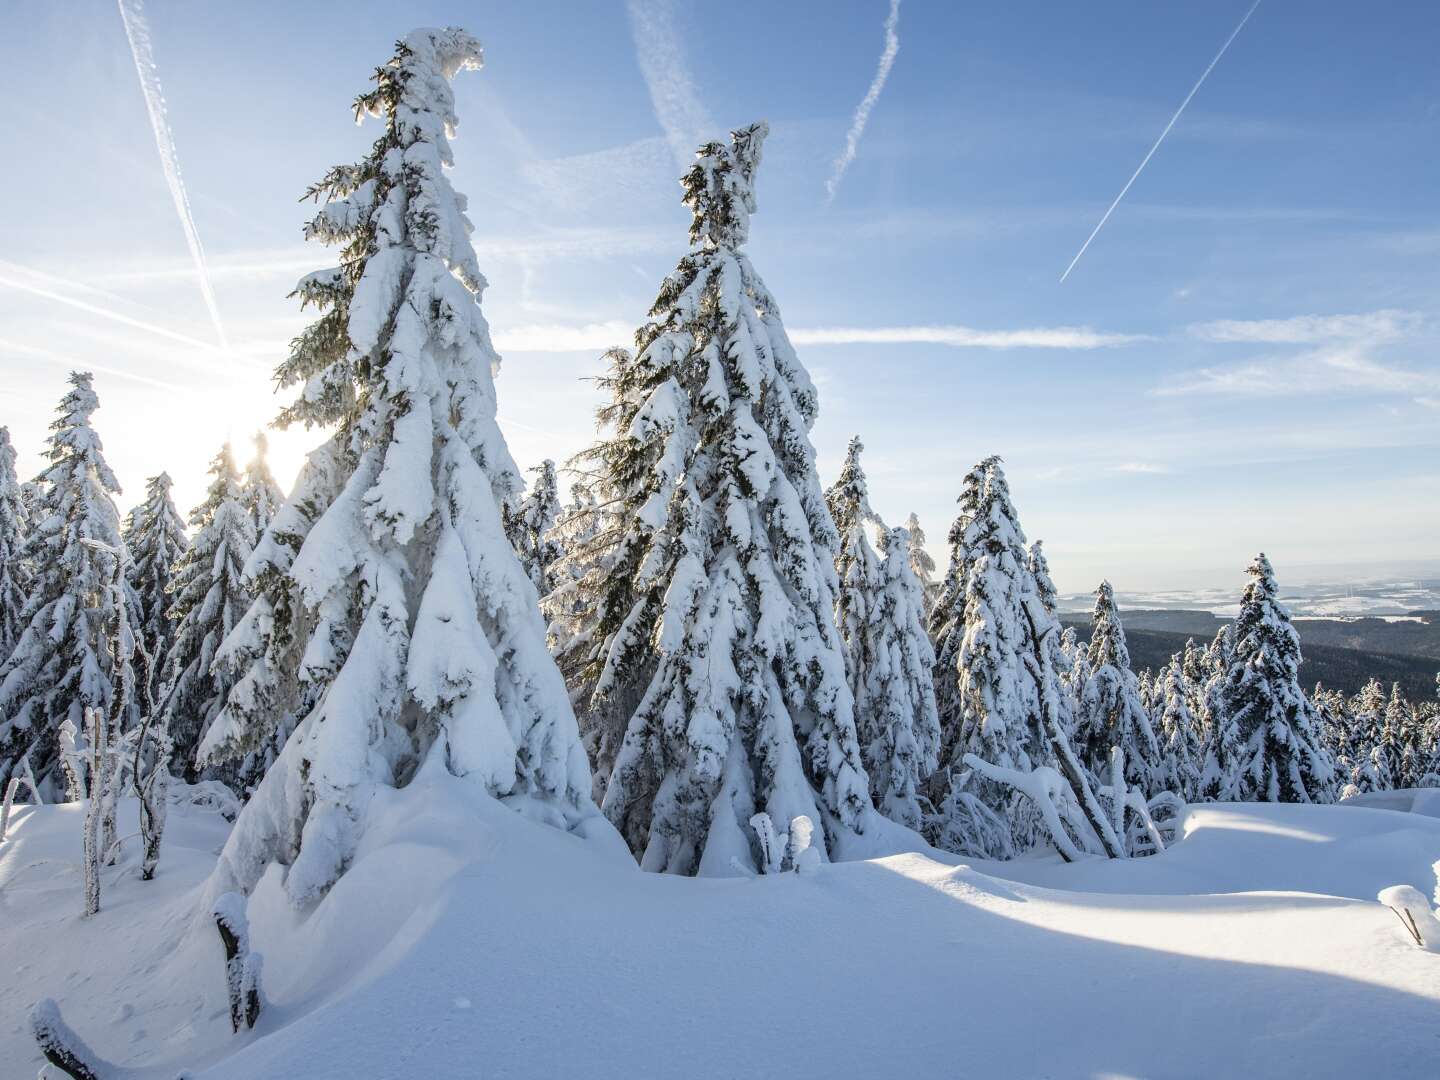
1254	948
669	758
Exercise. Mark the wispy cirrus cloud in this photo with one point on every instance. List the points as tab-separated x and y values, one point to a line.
1374	327
678	109
1040	337
1144	468
1310	373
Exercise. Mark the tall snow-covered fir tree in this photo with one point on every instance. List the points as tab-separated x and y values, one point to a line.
156	538
529	524
1280	755
995	609
922	564
1180	732
879	612
419	641
1110	712
895	713
716	615
14	570
209	596
62	662
262	495
857	570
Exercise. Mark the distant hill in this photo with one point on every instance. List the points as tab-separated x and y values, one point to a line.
1341	668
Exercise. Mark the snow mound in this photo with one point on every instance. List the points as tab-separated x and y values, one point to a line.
466	940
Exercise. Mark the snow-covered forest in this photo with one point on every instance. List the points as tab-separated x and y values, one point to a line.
425	732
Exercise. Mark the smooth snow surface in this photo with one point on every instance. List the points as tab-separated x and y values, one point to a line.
468	941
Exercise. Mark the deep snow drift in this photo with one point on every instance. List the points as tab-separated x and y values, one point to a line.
467	941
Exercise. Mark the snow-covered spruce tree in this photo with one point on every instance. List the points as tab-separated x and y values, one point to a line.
419	639
156	538
1040	571
922	564
263	655
895	713
717	616
1180	754
1111	713
998	697
857	570
62	661
529	524
14	570
209	596
263	497
947	615
1281	758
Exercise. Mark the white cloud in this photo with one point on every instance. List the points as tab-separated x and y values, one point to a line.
593	337
1053	337
1148	468
1373	327
1315	372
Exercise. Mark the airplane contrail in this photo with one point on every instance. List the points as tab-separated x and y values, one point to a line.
137	31
862	111
96	309
1199	82
678	108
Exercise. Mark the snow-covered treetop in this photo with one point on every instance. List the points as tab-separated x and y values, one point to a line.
1107	636
849	498
720	188
1040	570
75	443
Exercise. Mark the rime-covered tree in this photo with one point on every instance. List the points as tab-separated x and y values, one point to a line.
1040	571
155	536
995	686
895	714
1110	712
1281	757
922	563
62	662
1180	732
419	644
14	569
262	495
717	613
857	570
947	615
529	524
209	595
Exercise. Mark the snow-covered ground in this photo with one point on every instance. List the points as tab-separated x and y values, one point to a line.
465	941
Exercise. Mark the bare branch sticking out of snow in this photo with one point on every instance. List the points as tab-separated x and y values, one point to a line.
1414	914
242	967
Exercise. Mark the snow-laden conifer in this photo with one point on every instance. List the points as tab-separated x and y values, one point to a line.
895	711
1110	710
264	653
14	569
1180	732
209	596
419	641
156	539
922	563
62	662
947	614
995	680
263	496
717	613
529	525
1281	758
857	570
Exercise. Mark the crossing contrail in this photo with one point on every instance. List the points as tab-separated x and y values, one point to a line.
1199	82
137	30
867	103
8	282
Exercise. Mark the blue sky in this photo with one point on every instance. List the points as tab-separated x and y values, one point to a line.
1243	359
